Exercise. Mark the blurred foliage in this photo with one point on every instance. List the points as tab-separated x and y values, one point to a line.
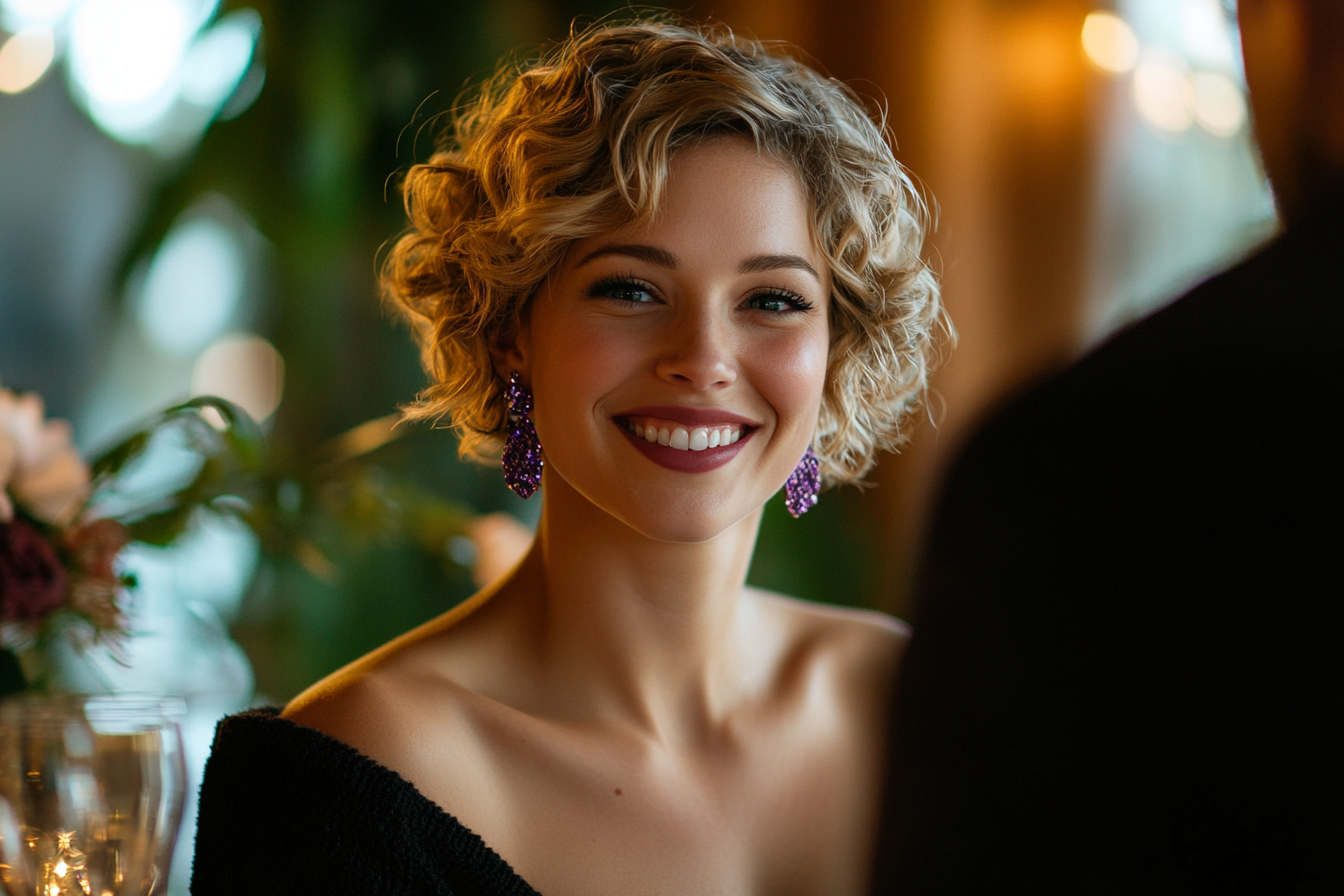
353	94
227	476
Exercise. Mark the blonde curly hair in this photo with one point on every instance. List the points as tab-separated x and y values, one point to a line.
578	144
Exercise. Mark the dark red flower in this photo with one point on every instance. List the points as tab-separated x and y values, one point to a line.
94	547
32	580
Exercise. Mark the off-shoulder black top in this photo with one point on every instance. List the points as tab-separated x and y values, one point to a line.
285	810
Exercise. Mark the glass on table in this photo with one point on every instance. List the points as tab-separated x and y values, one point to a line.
91	794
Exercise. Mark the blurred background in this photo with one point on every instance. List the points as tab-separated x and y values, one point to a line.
193	195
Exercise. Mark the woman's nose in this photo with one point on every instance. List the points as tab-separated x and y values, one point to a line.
697	352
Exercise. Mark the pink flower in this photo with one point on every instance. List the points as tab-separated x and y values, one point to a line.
39	468
32	580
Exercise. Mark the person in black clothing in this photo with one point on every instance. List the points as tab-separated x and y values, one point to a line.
1127	668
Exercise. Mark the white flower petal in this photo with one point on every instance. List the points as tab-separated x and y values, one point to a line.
57	490
38	465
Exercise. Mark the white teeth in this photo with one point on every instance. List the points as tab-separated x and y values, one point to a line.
696	438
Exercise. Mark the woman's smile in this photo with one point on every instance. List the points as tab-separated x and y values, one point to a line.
688	440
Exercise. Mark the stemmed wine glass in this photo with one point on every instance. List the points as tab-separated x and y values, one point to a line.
91	792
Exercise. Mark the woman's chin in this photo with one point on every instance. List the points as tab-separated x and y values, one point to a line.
686	525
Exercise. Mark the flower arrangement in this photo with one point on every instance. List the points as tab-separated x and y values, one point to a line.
64	521
53	556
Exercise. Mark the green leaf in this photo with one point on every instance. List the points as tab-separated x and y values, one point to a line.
160	529
114	459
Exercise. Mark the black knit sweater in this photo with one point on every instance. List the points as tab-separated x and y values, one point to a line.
288	810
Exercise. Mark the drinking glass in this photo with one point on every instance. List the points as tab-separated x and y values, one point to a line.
91	792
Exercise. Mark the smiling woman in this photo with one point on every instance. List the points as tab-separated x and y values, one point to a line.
709	317
671	272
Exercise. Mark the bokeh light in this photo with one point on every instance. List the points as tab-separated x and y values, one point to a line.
218	59
1207	35
1217	102
1162	92
25	58
150	72
1109	42
245	369
124	52
193	287
20	14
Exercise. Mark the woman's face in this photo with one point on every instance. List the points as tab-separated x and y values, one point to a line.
678	366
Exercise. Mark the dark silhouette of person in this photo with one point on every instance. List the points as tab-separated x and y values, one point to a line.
1127	668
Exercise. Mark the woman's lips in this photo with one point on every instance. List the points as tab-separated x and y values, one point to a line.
685	448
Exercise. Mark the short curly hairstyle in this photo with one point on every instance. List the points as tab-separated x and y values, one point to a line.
577	144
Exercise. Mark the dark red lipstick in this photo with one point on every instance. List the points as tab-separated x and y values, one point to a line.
687	461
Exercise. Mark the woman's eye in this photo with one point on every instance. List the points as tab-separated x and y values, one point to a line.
778	302
622	291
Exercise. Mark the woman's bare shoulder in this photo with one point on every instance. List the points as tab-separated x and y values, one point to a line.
864	646
382	703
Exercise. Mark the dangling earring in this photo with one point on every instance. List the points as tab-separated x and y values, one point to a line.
800	492
522	449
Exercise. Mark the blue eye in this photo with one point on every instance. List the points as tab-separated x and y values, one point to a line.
621	289
778	302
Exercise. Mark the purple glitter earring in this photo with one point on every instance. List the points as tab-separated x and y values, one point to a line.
522	449
800	492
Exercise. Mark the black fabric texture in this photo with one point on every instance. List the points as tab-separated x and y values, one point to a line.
287	810
1127	668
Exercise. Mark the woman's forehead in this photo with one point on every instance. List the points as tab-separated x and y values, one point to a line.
722	196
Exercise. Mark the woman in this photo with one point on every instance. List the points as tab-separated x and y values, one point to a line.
669	271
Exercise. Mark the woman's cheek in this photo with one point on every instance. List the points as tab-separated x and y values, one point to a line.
792	373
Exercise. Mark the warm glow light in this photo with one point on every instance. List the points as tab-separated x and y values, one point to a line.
1110	42
125	51
1162	93
245	369
1218	105
24	58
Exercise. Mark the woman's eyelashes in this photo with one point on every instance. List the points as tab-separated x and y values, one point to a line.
626	290
631	291
778	301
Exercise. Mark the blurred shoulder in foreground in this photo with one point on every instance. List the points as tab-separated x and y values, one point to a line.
1127	669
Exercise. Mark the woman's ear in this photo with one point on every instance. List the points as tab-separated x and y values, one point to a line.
510	350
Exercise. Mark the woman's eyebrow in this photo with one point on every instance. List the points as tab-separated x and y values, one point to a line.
665	259
651	254
757	263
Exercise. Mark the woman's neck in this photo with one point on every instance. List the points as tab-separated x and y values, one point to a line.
636	631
